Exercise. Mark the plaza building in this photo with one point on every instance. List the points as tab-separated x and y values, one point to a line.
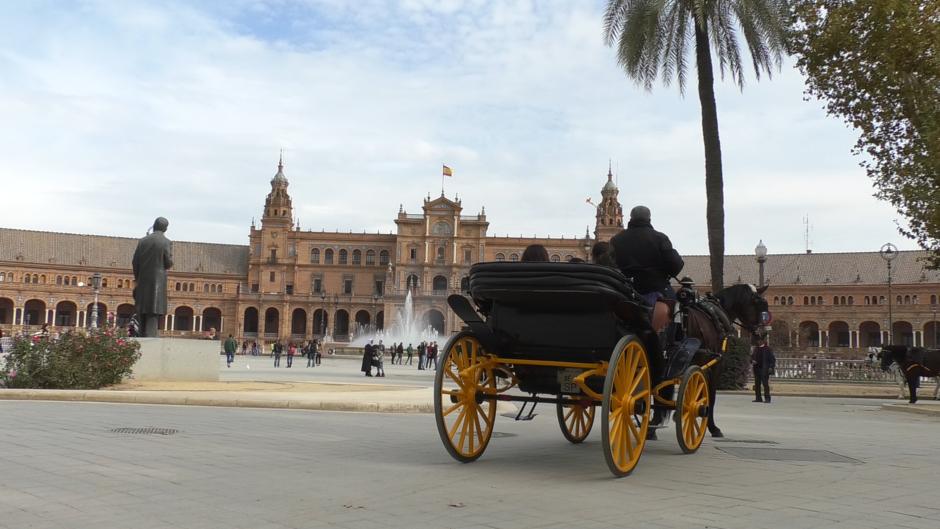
296	285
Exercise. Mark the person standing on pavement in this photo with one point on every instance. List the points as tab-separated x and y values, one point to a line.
367	359
229	347
411	353
764	362
312	354
291	351
432	355
422	350
401	352
276	350
378	359
254	349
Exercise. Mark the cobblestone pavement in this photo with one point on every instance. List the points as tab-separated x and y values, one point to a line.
62	467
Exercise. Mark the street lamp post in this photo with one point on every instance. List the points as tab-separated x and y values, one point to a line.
889	252
96	286
761	253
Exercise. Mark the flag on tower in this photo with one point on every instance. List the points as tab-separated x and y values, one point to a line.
448	171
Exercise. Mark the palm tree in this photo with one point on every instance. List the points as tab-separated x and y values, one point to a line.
652	37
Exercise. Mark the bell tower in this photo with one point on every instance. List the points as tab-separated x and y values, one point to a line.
278	212
609	212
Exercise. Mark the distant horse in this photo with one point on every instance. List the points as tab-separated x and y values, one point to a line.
711	320
913	363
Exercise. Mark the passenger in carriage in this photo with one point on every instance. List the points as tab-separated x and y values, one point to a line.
602	254
647	256
535	253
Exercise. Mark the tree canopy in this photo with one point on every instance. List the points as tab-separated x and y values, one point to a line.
876	64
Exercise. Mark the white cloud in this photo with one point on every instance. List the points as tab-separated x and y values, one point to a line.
187	108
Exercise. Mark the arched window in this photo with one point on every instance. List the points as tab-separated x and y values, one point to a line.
439	284
907	299
26	278
514	257
812	300
933	299
412	281
776	300
328	257
67	279
3	276
835	300
192	286
500	257
819	300
842	300
851	300
218	288
556	258
42	279
882	300
58	279
806	300
74	280
370	257
789	300
867	300
343	257
383	257
914	299
179	287
898	300
315	256
357	257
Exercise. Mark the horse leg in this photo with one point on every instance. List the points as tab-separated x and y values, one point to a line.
936	390
713	428
902	382
912	382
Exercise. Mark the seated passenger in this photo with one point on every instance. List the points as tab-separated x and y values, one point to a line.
602	254
535	253
647	256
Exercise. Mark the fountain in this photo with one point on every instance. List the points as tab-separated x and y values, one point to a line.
405	329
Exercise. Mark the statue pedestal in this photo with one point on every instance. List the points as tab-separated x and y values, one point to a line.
177	359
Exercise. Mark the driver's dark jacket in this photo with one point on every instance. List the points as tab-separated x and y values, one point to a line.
646	255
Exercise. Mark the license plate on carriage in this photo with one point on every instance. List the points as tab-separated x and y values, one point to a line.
566	380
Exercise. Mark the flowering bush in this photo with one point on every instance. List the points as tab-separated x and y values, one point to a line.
74	361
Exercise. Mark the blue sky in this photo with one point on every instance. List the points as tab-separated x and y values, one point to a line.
187	104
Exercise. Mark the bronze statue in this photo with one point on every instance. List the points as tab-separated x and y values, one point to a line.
152	259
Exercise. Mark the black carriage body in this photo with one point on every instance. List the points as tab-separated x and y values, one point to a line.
558	312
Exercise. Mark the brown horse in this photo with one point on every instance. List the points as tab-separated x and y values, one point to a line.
711	320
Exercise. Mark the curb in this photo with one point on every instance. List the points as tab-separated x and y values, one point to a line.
933	411
182	400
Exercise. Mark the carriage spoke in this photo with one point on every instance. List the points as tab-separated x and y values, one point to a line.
637	380
450	410
457	424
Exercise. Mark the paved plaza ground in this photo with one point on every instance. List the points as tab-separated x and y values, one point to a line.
63	467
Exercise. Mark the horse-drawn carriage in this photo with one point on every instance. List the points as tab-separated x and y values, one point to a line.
577	336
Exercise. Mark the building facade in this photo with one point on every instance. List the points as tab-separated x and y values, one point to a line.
297	285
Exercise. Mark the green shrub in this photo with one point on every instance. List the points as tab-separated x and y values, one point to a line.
735	364
74	361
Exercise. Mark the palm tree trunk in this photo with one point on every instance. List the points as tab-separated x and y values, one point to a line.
714	185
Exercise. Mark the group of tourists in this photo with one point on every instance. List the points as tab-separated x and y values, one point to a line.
310	350
373	356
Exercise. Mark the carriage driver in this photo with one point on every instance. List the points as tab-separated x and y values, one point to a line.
648	257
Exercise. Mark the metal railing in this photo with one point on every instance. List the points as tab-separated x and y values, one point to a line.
831	370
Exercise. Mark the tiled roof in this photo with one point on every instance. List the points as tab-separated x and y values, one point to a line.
99	251
863	268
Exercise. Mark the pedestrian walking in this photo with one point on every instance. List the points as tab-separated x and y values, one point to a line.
244	347
276	350
291	351
229	347
764	362
254	349
411	352
318	347
422	350
367	359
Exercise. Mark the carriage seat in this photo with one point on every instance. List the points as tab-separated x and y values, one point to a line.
528	283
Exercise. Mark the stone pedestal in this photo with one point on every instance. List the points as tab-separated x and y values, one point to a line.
177	359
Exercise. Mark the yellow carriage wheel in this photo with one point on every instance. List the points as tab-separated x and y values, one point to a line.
464	418
626	406
576	420
692	409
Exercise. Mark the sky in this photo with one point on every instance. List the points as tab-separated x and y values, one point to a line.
115	112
